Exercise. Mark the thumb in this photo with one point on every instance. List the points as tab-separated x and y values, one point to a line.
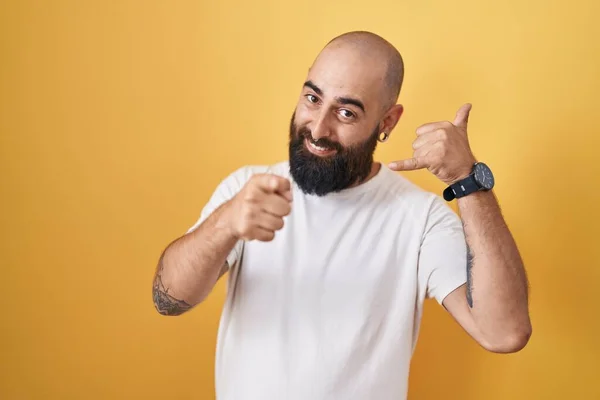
462	116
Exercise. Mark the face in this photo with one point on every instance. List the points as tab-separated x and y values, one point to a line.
322	166
334	129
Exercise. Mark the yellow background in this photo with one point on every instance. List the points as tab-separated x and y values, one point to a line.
118	119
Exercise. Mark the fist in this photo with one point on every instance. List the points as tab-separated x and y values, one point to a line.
257	211
443	148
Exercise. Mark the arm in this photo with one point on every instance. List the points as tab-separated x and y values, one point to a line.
493	305
190	266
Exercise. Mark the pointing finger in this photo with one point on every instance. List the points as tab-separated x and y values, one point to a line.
271	183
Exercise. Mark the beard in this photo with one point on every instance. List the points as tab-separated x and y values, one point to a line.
322	175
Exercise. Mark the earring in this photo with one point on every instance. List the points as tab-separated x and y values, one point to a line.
385	137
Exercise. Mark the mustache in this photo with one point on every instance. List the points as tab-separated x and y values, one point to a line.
305	133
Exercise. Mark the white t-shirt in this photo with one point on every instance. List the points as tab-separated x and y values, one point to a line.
331	308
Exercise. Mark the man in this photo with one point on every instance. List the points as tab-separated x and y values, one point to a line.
331	255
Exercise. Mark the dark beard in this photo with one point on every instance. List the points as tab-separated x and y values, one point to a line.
323	175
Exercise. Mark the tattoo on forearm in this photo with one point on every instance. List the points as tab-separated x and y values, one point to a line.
469	277
165	303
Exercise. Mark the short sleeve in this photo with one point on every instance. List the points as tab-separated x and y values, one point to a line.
443	253
224	192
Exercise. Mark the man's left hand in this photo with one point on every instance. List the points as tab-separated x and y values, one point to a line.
443	148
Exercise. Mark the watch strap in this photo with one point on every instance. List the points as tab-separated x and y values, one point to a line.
461	188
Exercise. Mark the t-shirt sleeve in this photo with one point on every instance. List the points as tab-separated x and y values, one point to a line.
224	192
443	253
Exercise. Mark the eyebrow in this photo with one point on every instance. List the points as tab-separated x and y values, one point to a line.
314	87
341	100
348	100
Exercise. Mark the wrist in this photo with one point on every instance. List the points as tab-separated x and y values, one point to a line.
464	172
461	176
480	178
225	220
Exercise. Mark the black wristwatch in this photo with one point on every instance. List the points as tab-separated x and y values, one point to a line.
481	178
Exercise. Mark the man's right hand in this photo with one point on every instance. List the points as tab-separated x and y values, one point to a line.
257	211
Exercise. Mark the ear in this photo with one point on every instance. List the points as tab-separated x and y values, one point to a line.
391	118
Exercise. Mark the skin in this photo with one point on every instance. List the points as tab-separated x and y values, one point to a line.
333	77
492	307
191	265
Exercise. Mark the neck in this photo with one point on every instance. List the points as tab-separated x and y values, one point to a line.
375	167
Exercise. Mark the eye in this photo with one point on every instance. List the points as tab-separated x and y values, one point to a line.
346	113
312	98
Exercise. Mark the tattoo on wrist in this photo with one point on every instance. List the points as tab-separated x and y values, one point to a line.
165	303
469	277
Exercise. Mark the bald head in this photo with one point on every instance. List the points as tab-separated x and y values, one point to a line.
372	48
350	92
347	104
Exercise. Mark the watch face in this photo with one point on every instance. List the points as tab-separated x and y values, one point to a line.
484	176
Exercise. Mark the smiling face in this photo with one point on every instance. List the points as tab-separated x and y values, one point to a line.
342	108
323	166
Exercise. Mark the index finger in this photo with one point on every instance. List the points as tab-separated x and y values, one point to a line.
432	126
272	183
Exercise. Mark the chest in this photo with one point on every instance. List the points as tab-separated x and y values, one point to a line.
342	251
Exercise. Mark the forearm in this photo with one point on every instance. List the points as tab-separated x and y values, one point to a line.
497	288
189	267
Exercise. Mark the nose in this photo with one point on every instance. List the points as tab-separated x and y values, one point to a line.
321	127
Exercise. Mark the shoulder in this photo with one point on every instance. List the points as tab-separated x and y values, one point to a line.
403	190
421	204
